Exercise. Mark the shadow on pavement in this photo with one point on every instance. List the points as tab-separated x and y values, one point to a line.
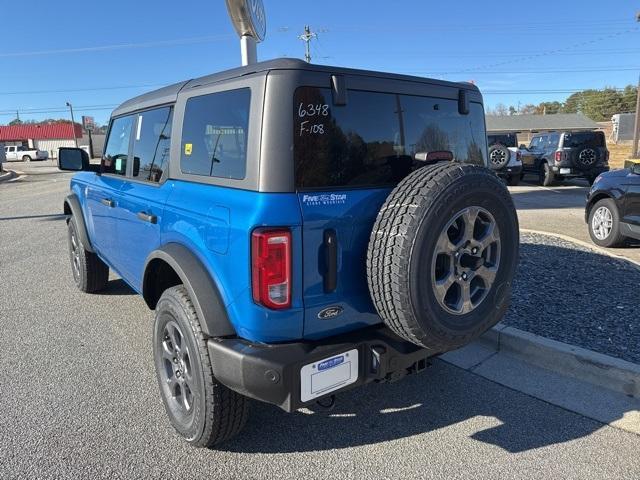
440	397
117	287
52	216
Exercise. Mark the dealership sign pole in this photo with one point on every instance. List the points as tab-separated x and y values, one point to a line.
249	20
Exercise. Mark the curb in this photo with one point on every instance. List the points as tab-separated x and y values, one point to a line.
568	360
584	244
7	175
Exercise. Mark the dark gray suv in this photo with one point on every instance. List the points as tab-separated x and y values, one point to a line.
555	156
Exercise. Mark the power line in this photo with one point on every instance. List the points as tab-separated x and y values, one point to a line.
120	46
553	51
73	90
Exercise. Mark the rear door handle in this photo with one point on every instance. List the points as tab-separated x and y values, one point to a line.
108	202
147	217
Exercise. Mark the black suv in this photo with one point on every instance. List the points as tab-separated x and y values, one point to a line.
613	207
559	155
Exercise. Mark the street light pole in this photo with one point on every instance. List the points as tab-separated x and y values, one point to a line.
73	124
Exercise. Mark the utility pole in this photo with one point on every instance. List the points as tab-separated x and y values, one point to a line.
73	124
306	38
636	133
18	115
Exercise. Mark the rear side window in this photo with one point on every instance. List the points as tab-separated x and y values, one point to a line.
536	142
553	139
151	144
507	139
214	134
117	148
584	139
377	138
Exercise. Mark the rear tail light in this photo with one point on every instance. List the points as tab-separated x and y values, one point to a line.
518	155
606	156
271	268
558	156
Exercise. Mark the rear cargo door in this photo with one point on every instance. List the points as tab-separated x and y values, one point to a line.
347	159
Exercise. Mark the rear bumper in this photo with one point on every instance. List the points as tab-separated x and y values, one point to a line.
271	373
571	171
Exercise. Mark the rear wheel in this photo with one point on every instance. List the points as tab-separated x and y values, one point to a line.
604	224
442	255
201	409
89	272
546	177
26	158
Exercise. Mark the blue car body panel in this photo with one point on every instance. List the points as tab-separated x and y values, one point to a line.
350	214
216	225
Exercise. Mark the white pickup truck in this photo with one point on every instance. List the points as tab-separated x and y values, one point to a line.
26	154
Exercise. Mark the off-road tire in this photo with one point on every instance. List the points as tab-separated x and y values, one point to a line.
498	156
402	246
89	272
218	413
615	238
546	176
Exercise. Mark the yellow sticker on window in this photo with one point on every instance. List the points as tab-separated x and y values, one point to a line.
188	148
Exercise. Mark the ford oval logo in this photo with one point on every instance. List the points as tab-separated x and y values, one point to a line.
330	312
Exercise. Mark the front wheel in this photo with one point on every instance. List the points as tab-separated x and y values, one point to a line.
89	272
201	409
604	224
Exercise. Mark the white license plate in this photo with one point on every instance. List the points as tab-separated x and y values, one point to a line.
328	374
565	171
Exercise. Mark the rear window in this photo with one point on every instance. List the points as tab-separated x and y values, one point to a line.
508	139
584	139
373	140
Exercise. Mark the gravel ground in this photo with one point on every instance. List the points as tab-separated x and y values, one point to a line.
576	295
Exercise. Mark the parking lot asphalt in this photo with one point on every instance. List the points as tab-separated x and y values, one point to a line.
559	209
79	395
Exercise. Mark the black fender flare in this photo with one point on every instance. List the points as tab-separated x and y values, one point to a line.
202	289
72	207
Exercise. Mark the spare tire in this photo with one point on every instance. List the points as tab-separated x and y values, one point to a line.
586	158
498	156
442	255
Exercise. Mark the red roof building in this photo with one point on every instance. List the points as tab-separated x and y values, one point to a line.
51	131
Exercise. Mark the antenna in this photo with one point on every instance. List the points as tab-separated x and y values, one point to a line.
306	37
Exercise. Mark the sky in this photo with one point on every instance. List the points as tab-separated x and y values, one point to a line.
98	55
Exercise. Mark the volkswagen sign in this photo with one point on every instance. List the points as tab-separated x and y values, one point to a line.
248	17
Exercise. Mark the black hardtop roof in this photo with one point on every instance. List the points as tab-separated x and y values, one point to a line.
169	93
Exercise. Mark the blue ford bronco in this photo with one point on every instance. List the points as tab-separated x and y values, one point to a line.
299	230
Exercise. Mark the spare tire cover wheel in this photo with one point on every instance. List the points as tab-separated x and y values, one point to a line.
587	157
498	156
443	254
